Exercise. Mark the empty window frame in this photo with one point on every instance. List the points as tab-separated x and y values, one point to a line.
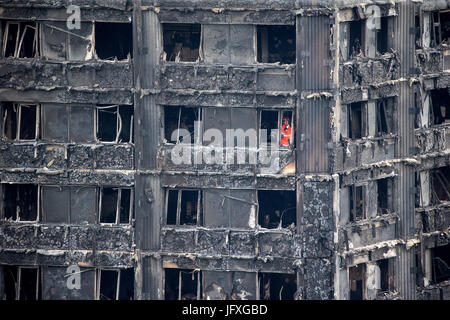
183	207
276	43
115	284
180	122
417	106
20	39
440	110
383	123
418	197
277	286
182	284
22	283
418	31
181	42
20	121
281	121
440	263
357	120
20	202
446	60
382	36
385	197
357	283
357	38
357	203
116	205
440	185
113	40
440	28
421	272
277	209
386	275
115	124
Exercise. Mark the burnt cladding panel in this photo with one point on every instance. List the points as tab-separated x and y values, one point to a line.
80	46
55	126
217	118
55	204
81	124
147	115
405	45
148	209
215	43
53	40
83	202
243	118
313	52
241	44
226	44
151	278
216	285
242	212
244	286
147	34
313	75
315	127
216	208
147	128
234	285
56	284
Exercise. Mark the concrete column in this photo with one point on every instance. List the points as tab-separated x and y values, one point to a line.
372	199
148	192
342	288
370	42
344	36
424	188
426	36
371	118
425	111
153	279
373	280
428	267
341	38
405	45
343	130
344	206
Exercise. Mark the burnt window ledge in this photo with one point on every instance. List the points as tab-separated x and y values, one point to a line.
363	59
387	136
442	204
202	63
386	218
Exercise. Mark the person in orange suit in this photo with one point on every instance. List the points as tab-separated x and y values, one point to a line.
286	133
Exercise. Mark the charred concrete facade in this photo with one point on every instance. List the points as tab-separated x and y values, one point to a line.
88	178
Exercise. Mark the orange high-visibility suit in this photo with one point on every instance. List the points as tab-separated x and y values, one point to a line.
285	135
